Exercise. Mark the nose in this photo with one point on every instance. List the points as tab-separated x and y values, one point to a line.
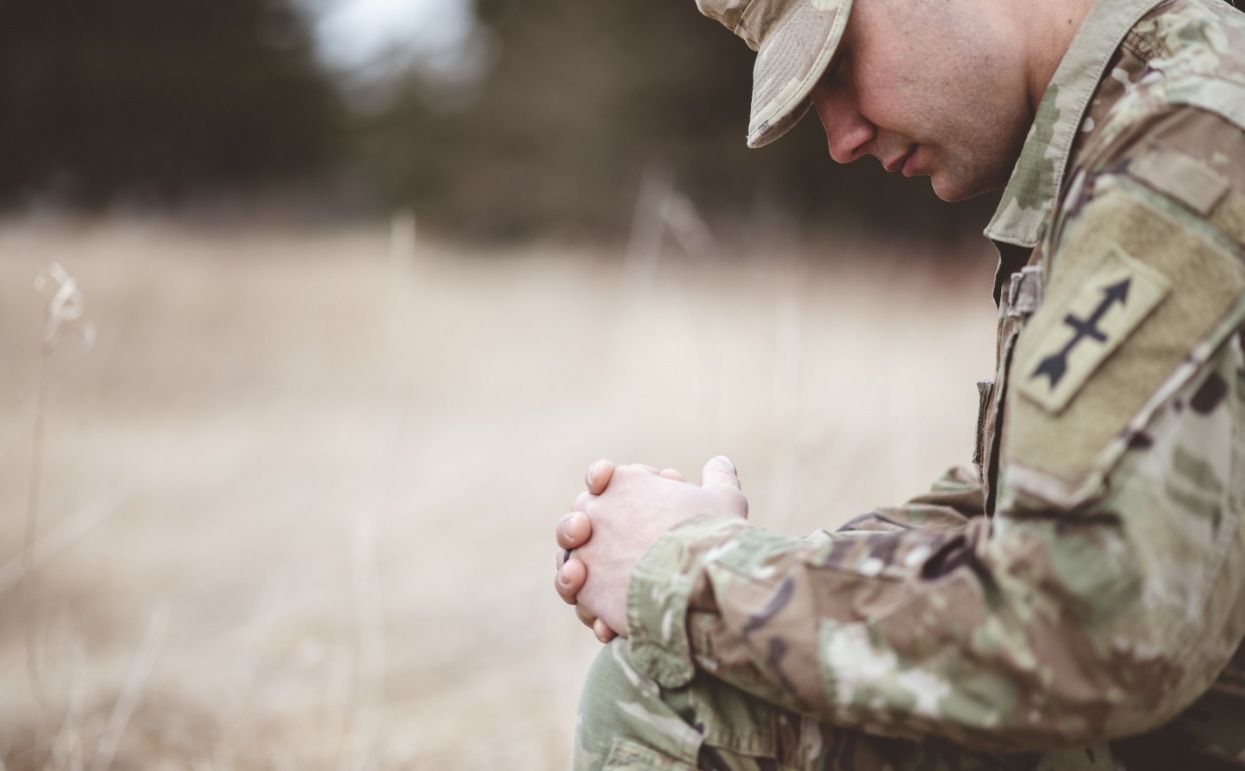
847	131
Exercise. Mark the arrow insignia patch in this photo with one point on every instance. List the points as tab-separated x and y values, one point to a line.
1077	335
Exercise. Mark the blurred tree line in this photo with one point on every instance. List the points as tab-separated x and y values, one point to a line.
165	99
159	98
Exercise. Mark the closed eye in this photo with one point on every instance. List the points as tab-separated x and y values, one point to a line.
832	70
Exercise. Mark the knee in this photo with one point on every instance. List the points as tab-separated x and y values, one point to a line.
608	685
621	704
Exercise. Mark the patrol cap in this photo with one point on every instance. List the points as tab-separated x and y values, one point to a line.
795	41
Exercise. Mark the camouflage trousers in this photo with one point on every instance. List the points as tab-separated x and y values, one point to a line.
627	722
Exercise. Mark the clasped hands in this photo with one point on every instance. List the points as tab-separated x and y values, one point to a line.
614	522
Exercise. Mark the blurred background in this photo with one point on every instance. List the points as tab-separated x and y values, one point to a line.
501	119
314	312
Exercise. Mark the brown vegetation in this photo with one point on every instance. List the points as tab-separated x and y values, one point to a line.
297	498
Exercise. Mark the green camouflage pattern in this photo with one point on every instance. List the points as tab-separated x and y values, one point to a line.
795	41
628	722
1082	584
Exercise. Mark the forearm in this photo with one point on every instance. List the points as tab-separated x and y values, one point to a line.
848	631
990	654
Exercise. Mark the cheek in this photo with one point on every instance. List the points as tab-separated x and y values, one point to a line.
876	96
896	94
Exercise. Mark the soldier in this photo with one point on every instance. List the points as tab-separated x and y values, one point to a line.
1072	600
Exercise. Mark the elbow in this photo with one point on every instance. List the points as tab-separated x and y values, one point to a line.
1130	687
1083	691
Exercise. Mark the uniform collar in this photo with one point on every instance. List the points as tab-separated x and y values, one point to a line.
1034	186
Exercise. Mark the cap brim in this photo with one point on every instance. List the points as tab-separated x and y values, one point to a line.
790	63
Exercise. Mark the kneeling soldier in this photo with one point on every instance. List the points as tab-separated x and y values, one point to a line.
1073	599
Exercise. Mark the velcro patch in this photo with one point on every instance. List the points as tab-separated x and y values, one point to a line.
1109	381
1182	177
1087	328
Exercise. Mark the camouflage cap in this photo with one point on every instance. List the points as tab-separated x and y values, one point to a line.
795	41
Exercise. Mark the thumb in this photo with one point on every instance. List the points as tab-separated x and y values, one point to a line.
720	472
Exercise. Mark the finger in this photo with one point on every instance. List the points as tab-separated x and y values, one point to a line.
573	530
599	475
557	587
586	618
720	472
569	580
644	467
602	631
672	474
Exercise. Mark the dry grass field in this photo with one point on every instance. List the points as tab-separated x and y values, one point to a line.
296	499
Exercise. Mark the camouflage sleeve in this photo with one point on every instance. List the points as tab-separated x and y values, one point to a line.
1104	593
952	500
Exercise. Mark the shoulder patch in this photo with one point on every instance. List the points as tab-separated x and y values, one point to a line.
1087	327
1181	177
1092	357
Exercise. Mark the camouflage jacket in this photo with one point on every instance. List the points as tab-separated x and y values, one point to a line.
1082	581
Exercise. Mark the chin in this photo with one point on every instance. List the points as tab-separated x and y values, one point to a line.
953	190
946	189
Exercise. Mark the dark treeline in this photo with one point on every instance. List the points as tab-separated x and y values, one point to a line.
163	99
159	98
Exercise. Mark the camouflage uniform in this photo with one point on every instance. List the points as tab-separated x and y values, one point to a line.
1073	600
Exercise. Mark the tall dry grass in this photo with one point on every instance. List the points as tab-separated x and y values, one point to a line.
295	503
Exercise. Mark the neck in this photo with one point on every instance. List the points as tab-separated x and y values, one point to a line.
1045	30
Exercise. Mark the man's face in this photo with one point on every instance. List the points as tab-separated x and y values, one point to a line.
928	87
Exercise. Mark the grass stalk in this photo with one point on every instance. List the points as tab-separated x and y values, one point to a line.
65	306
132	689
67	749
30	532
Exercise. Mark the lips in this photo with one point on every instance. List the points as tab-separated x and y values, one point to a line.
899	163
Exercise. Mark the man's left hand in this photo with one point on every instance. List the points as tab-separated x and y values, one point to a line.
613	524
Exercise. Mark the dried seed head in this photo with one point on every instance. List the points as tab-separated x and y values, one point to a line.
66	304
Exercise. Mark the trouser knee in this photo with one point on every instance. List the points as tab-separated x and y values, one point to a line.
622	713
629	723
